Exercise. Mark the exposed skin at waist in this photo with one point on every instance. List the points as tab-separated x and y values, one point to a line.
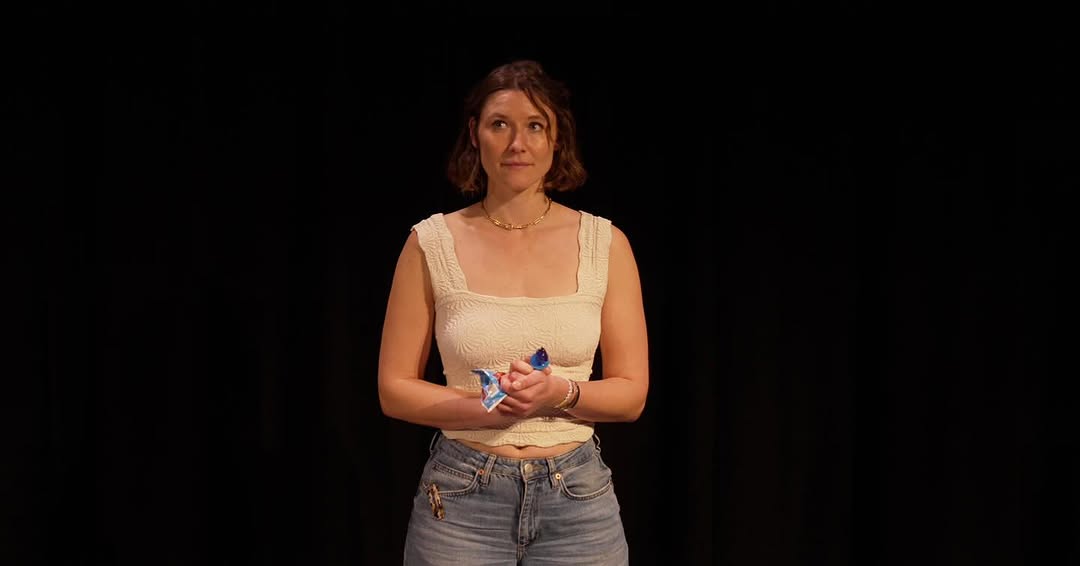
522	452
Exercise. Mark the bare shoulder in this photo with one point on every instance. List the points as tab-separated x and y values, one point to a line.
411	252
620	245
619	238
461	218
458	214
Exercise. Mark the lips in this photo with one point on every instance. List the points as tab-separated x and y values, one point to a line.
516	164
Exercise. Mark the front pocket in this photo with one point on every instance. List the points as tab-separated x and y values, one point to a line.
451	482
584	482
444	490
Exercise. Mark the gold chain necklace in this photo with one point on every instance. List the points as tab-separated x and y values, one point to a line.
509	226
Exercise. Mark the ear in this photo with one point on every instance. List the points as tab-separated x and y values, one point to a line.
472	131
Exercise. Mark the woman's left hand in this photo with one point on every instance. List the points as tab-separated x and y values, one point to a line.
529	390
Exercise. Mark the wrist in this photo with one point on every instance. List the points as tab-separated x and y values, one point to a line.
569	399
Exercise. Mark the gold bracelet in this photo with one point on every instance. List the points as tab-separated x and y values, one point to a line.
577	395
569	395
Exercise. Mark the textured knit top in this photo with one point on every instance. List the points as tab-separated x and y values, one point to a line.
475	331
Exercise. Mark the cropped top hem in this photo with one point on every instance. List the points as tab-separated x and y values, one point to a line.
559	431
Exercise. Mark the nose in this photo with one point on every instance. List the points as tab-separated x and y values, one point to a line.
517	141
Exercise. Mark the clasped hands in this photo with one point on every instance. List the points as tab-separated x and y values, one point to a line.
529	391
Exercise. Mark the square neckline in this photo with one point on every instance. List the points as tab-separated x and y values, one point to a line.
456	266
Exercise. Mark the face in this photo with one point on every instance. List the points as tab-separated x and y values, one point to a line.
516	141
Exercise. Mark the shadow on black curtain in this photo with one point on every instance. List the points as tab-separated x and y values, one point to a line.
853	252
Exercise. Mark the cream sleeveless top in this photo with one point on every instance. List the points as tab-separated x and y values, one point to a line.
482	331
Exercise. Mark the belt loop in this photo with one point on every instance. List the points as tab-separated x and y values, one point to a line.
485	473
596	441
552	471
434	441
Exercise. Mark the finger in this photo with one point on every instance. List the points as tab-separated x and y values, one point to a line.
508	405
513	399
523	366
530	380
507	381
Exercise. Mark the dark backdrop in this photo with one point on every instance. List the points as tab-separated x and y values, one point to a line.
851	242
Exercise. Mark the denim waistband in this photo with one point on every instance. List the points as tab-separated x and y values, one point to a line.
525	468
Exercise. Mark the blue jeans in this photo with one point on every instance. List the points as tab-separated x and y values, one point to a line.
480	509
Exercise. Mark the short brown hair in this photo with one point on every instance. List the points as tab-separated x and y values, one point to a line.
567	171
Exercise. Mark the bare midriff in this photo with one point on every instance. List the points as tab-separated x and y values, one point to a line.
522	452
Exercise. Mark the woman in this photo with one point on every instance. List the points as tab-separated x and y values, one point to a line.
500	280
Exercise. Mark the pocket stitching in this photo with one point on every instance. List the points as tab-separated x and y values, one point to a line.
566	490
442	468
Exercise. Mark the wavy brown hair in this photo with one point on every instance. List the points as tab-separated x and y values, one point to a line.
547	94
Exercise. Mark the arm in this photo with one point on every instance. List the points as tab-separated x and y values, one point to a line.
403	354
620	395
624	344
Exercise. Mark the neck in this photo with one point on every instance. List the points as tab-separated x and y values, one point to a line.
516	208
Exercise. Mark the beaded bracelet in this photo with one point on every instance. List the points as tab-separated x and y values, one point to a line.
571	386
577	395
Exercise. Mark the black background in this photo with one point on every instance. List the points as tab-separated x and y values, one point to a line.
850	224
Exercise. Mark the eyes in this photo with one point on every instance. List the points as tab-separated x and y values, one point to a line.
534	126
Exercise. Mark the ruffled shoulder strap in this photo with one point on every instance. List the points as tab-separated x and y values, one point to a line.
595	242
438	246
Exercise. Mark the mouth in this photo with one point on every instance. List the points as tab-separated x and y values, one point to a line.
516	164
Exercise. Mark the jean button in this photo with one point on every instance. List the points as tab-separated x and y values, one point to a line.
527	468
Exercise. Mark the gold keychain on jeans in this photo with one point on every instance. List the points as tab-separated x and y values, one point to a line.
436	502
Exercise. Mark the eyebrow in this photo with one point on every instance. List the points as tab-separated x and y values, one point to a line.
530	117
